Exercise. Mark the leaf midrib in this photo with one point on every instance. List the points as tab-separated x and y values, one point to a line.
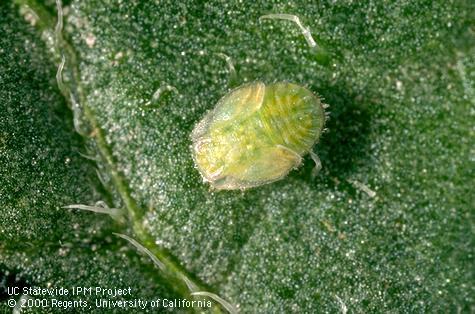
135	213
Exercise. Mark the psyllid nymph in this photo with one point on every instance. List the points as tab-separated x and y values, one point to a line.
256	134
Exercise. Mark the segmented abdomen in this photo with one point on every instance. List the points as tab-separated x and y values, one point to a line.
292	116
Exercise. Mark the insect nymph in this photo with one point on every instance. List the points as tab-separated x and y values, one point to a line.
256	134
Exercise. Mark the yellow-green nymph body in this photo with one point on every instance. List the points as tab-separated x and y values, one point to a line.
256	134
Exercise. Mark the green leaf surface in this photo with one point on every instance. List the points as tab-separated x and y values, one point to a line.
41	243
42	169
387	225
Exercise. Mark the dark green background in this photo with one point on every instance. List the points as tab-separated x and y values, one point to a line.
400	84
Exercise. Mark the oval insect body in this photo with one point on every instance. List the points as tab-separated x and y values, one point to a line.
256	134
